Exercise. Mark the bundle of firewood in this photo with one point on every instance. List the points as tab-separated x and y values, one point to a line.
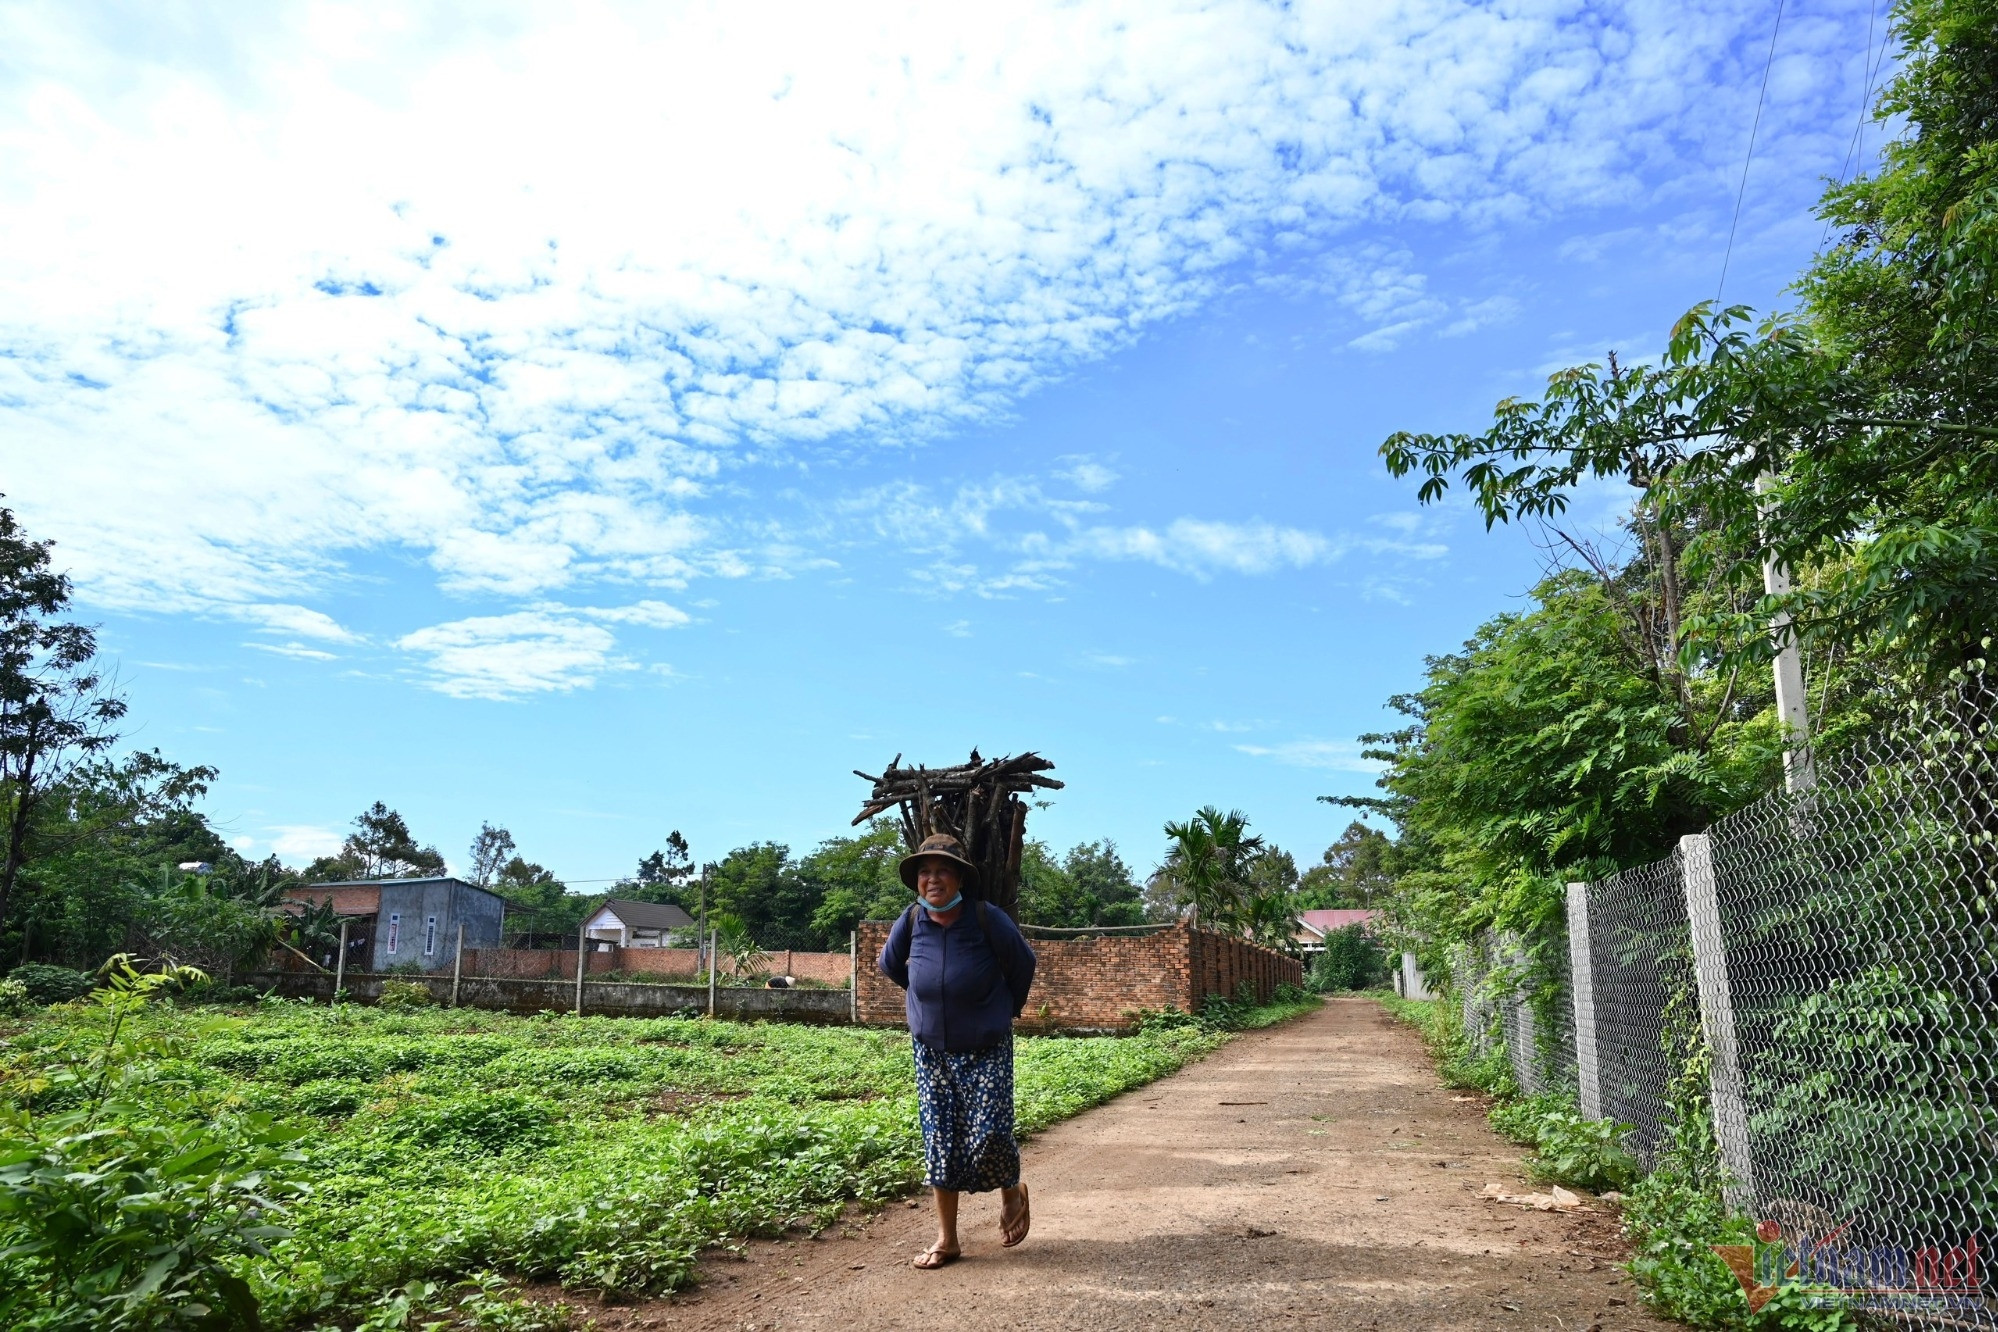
978	802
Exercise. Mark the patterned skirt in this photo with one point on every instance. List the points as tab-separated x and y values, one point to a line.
965	1101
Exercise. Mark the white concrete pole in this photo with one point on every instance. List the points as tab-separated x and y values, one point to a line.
853	977
1799	774
582	961
1581	984
711	972
340	962
458	964
1717	1020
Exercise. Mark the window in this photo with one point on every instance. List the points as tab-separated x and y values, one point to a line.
395	930
429	935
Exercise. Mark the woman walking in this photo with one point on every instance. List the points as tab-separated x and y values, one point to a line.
967	971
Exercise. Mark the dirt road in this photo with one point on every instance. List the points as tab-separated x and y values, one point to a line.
1317	1175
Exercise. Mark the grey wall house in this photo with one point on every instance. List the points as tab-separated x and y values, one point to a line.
412	920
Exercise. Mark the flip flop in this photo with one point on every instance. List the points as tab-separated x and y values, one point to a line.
934	1257
1026	1219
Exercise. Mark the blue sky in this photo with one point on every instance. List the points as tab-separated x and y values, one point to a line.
604	420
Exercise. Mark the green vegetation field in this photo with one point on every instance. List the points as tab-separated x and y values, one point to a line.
600	1152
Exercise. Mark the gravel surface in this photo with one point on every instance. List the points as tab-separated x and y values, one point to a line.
1315	1175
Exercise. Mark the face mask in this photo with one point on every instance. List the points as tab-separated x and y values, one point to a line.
947	906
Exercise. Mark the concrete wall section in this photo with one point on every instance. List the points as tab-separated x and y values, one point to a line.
601	998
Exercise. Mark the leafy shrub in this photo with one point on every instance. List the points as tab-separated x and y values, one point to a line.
1587	1153
479	1124
1519	1121
51	985
329	1099
14	999
131	1206
405	994
1352	960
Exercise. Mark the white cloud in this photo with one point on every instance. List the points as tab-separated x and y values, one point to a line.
296	651
301	843
1203	548
652	614
958	628
1087	476
516	290
1336	755
1108	660
507	656
300	621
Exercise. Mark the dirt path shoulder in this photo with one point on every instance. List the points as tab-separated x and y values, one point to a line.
1316	1175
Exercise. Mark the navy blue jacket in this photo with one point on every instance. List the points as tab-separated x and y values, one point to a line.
966	984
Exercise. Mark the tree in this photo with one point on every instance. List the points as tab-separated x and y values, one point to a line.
1544	751
852	879
1208	863
57	709
380	847
1105	883
104	834
759	886
1355	870
666	875
490	850
1852	441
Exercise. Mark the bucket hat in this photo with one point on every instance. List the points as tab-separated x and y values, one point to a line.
942	846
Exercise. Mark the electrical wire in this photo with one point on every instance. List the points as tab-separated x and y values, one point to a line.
1768	63
1873	58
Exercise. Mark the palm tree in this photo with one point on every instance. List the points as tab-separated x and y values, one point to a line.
1208	862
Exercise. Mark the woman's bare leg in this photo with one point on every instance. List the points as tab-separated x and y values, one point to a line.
946	1229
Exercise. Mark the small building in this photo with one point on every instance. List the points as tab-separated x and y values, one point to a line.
397	922
630	924
1313	926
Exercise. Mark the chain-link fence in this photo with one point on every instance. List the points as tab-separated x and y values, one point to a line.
1816	979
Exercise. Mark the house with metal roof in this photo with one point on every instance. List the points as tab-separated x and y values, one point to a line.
631	924
1314	925
405	922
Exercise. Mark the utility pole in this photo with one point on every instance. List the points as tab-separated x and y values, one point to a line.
340	962
701	926
1799	773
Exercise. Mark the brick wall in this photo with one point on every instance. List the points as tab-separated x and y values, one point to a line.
1095	984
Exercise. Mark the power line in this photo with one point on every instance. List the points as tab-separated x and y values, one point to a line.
1768	63
1871	59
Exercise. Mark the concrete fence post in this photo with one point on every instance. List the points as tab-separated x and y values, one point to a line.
458	964
713	960
582	961
1717	1019
1581	985
853	976
340	962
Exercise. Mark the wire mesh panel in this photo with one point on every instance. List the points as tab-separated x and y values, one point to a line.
1641	964
1858	923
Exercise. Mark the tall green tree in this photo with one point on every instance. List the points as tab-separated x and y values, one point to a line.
1547	749
58	709
380	847
1355	871
758	887
1211	867
853	879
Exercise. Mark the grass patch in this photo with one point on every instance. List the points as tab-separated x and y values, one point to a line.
603	1153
